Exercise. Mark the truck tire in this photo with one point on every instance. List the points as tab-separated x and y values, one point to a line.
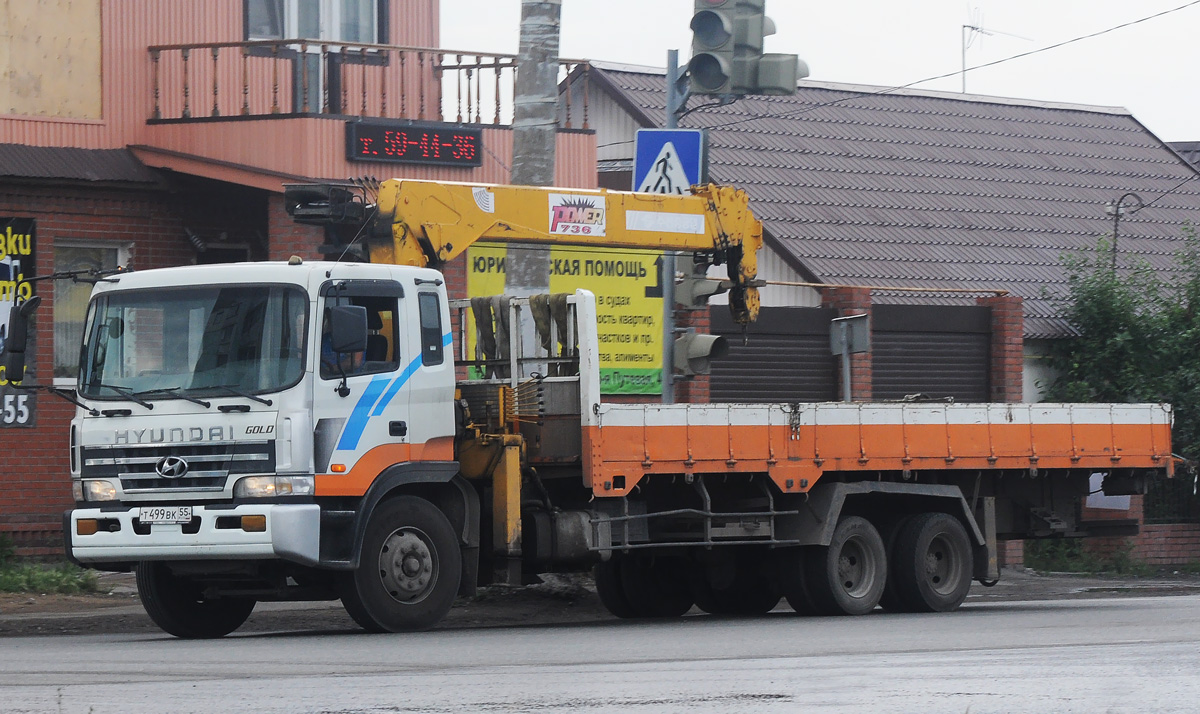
178	605
746	590
656	586
408	571
610	588
847	577
933	563
890	532
790	566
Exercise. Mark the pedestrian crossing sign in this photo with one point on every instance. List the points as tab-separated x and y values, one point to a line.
669	160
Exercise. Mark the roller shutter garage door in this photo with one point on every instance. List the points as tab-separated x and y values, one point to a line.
786	358
937	350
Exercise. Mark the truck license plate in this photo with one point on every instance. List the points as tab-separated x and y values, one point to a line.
166	514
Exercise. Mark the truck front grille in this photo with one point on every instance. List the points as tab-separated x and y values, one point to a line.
208	466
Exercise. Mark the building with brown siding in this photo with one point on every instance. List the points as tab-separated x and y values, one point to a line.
148	134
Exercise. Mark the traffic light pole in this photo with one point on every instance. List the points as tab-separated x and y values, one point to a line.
675	102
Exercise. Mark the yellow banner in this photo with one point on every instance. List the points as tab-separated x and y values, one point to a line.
629	306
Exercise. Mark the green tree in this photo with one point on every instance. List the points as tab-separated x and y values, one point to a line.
1137	339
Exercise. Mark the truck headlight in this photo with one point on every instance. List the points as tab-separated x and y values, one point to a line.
77	490
267	486
99	491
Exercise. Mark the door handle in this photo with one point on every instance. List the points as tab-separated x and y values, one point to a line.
397	428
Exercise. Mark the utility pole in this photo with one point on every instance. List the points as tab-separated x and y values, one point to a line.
535	131
676	100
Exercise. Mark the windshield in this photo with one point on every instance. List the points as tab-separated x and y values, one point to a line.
204	339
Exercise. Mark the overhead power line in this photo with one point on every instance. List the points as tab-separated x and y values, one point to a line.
1021	55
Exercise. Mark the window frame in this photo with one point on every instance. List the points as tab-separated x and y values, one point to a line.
124	250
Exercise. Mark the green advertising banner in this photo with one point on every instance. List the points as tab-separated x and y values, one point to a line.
629	306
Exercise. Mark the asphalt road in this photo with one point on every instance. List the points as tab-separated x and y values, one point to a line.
1139	654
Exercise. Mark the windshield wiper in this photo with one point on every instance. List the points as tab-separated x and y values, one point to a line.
174	392
125	392
239	393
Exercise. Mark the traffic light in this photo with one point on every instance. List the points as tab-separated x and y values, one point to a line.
695	289
694	353
727	51
710	70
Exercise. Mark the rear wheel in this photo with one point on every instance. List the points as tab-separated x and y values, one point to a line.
890	532
847	577
933	563
656	586
790	563
611	589
179	607
734	583
409	569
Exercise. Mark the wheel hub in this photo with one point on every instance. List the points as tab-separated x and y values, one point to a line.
407	565
855	569
941	565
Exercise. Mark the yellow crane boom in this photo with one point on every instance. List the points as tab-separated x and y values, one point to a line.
427	223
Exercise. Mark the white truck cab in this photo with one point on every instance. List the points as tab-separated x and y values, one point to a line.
217	408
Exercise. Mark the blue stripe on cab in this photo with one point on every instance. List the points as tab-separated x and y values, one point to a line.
361	414
397	383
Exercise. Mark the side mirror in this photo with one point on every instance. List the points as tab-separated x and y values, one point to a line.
348	328
17	339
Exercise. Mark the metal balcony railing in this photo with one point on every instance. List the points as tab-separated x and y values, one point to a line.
266	78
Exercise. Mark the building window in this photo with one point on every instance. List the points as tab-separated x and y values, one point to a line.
264	19
71	300
331	20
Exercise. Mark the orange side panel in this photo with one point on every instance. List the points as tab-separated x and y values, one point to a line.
358	479
617	457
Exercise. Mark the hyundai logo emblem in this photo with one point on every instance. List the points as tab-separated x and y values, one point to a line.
171	467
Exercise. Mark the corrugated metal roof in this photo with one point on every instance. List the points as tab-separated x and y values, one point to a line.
1189	150
59	162
939	190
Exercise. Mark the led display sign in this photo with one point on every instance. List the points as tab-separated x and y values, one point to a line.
408	143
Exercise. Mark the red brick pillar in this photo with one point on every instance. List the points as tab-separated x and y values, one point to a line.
1008	347
286	238
1011	554
852	301
695	389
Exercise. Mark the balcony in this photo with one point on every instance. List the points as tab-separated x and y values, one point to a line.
221	81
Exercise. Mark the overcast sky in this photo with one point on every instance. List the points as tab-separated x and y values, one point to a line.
1151	68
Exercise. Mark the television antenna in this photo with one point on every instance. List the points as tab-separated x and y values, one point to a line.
973	30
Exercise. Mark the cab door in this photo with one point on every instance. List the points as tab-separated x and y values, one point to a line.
362	417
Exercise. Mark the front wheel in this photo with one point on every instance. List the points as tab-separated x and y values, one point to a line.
179	607
409	569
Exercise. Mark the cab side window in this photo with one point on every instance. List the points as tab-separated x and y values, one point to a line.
383	329
431	329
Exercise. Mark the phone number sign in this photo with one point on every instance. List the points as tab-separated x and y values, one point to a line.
410	143
18	248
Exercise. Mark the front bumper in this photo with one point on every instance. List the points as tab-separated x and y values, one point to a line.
293	533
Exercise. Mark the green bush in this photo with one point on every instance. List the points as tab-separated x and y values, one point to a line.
61	578
1070	555
30	577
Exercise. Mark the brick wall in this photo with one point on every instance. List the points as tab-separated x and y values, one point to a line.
1157	544
692	390
852	301
287	237
1008	347
34	471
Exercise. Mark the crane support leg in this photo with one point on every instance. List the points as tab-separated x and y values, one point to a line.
506	512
